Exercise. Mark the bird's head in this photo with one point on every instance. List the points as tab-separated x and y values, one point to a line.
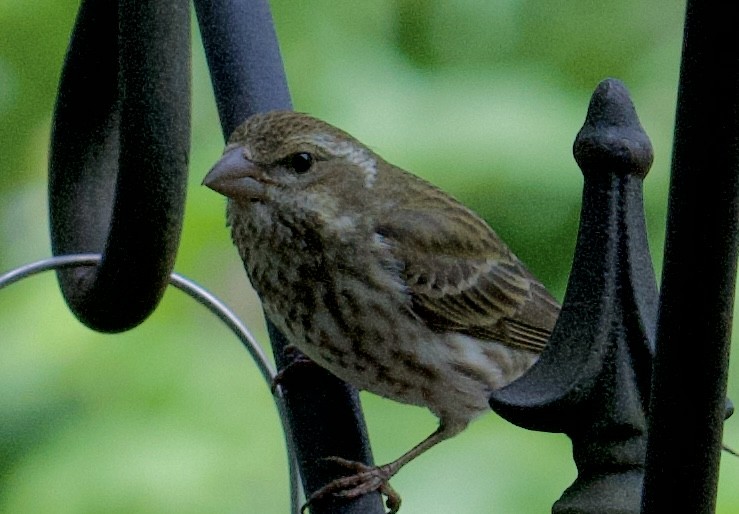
284	156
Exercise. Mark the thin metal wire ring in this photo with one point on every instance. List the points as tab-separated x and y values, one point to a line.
215	306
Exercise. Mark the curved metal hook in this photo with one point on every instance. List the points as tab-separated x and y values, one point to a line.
119	154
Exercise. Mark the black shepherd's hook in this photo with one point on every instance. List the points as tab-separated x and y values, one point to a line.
119	155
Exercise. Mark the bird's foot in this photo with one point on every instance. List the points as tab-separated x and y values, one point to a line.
365	480
296	360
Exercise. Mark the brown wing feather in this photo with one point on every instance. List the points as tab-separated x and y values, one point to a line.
468	283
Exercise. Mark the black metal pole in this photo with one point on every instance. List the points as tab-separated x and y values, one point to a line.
689	382
243	59
592	381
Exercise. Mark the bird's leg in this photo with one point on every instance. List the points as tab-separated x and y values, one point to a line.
295	361
373	478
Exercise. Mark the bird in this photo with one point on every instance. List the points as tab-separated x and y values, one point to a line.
378	276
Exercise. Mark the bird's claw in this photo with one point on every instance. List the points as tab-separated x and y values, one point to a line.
365	480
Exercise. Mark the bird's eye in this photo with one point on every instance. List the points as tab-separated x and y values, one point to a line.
299	162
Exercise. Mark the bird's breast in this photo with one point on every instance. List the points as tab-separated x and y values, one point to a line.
343	305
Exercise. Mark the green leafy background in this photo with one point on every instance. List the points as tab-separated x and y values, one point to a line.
483	98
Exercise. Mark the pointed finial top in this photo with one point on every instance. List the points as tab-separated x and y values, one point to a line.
612	140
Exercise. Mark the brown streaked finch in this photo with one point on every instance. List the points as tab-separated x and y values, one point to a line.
378	276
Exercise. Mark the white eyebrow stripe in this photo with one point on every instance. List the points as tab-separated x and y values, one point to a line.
354	153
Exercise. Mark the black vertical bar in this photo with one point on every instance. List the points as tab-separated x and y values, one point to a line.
694	327
592	381
243	59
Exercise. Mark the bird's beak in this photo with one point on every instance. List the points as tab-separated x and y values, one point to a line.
236	176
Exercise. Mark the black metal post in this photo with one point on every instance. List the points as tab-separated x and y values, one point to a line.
693	337
592	382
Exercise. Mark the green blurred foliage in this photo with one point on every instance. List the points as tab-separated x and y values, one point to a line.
482	98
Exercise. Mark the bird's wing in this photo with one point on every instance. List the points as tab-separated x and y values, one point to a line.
462	278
